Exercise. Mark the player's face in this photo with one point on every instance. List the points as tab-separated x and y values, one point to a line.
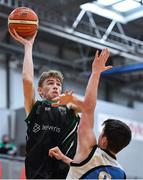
5	139
50	89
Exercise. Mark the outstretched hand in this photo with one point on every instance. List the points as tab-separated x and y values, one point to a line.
65	98
100	60
56	152
22	40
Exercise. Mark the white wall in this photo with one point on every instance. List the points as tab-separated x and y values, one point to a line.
2	87
4	114
138	106
17	98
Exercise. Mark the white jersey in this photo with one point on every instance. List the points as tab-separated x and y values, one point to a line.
100	164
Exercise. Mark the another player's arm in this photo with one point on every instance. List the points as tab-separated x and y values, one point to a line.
86	134
28	71
56	152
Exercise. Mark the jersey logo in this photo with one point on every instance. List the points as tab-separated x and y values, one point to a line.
104	172
104	175
47	109
62	110
51	128
36	128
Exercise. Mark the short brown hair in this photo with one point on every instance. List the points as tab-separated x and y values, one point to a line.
48	74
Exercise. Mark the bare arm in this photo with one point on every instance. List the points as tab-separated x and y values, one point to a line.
28	71
86	136
98	66
56	152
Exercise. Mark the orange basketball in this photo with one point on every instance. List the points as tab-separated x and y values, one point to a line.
24	20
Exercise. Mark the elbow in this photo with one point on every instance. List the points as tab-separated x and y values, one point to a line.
27	80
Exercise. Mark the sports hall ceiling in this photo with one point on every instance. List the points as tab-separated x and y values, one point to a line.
69	36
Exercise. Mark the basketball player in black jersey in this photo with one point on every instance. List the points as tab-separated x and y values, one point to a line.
95	160
47	126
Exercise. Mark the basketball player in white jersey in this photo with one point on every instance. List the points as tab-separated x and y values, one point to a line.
95	160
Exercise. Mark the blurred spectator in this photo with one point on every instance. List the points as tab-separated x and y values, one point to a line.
6	147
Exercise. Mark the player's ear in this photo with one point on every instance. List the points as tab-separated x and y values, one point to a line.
104	141
40	91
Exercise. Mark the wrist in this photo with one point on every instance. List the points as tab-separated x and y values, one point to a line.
96	73
66	159
28	46
28	49
63	157
73	99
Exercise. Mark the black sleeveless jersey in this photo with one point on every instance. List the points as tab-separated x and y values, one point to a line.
48	127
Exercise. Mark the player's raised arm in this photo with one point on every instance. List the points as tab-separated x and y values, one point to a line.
86	135
28	70
98	66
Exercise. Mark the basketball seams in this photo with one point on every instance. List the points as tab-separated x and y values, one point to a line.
15	21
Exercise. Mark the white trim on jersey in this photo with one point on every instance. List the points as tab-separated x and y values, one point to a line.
99	164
